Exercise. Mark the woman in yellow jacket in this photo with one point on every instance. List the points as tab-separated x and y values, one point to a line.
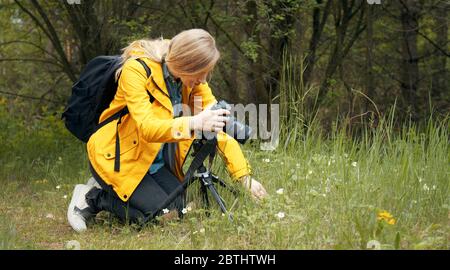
156	135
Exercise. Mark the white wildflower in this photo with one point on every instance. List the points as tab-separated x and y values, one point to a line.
354	163
280	215
195	232
184	211
73	244
374	245
310	172
58	187
202	230
50	216
280	191
268	146
425	187
433	187
65	196
189	208
165	210
266	160
313	192
420	179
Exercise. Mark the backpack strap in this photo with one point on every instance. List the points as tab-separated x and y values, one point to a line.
124	111
117	157
119	115
149	72
115	116
147	69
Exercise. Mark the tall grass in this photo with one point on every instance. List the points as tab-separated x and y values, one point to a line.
298	103
326	191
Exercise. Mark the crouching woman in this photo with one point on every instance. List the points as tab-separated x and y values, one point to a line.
156	77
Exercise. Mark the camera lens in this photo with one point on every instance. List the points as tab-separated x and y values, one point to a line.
239	131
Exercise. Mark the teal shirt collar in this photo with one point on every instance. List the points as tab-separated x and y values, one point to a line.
174	88
168	76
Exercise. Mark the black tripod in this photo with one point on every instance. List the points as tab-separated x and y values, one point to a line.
207	180
202	149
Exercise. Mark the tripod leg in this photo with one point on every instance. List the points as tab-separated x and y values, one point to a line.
206	181
205	198
220	201
225	185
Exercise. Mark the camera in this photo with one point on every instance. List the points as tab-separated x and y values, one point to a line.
239	131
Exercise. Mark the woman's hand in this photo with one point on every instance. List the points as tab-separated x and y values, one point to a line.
210	120
257	190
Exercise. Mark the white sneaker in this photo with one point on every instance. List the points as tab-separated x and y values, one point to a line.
79	212
93	183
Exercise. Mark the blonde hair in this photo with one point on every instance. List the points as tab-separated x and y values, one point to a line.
190	52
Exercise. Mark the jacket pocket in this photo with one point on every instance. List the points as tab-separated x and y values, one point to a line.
126	144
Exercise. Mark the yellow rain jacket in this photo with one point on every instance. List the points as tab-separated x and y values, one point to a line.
149	124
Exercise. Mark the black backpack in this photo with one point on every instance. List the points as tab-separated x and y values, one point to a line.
91	95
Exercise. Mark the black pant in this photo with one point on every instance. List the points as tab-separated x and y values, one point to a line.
151	191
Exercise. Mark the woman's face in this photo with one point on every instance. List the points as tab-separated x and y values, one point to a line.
190	80
193	80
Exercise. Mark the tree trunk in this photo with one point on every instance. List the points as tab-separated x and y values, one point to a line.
279	44
409	65
370	87
256	89
317	27
234	74
440	72
343	14
49	30
84	21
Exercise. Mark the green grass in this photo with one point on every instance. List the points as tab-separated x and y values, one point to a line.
333	189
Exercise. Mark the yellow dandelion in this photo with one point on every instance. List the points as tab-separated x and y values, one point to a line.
386	216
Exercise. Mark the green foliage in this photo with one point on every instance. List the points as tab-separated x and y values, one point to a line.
137	28
281	15
250	48
251	36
